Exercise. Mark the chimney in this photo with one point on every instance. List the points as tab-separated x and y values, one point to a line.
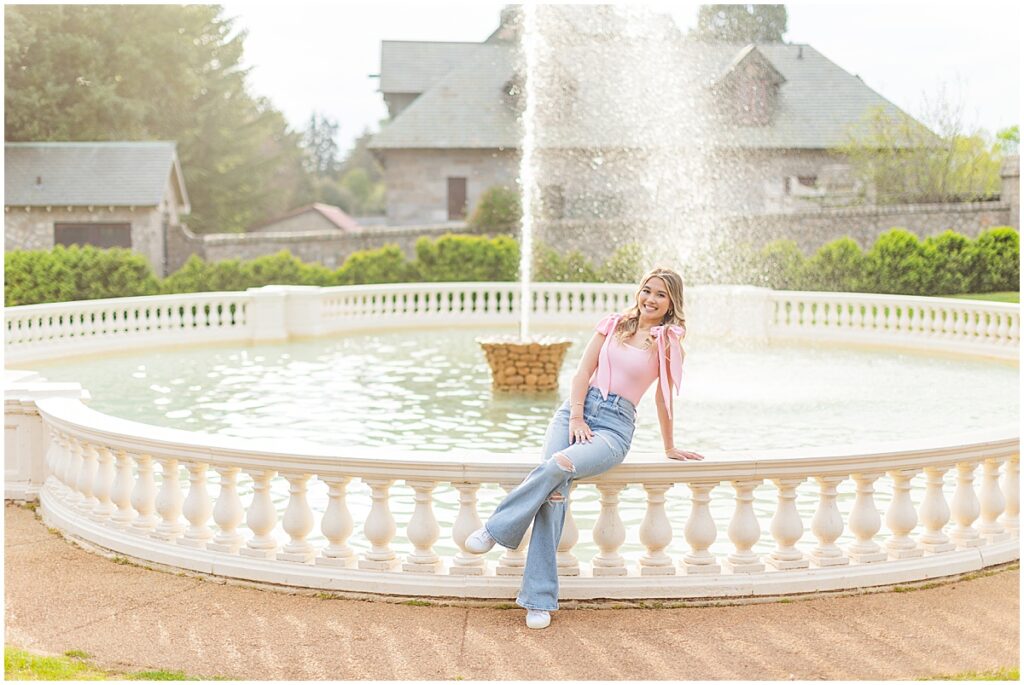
799	51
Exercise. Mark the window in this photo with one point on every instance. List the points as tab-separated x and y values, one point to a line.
100	235
456	198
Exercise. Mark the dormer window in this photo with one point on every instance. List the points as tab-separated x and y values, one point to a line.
747	93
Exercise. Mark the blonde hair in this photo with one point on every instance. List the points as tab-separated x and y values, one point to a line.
630	320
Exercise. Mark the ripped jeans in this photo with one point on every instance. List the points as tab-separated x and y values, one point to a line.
541	498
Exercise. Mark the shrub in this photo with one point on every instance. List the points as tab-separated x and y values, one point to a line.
895	264
196	276
781	266
75	273
625	265
949	264
385	265
997	255
467	258
550	266
838	265
498	209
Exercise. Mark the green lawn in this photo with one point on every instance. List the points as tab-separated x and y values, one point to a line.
1006	296
1010	673
74	665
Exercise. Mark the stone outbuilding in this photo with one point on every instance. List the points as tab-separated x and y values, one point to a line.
314	217
107	194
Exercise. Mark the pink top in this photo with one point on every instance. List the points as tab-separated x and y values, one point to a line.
628	371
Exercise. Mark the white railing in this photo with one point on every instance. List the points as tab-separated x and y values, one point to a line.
38	332
102	484
104	488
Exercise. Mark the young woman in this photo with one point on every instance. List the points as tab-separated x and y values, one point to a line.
593	430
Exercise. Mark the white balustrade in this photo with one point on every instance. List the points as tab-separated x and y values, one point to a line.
144	496
467	521
423	530
965	508
227	513
168	501
865	521
901	518
934	512
86	478
827	524
121	493
656	533
103	484
297	521
1010	485
744	530
379	528
700	532
261	517
787	528
92	461
609	533
336	525
992	504
196	508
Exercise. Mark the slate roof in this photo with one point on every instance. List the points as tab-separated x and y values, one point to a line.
121	174
818	103
408	66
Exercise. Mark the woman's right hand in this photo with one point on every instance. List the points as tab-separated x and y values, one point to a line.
579	431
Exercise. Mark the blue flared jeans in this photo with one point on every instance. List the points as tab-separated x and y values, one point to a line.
612	422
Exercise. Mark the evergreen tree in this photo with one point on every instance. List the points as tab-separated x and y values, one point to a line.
740	23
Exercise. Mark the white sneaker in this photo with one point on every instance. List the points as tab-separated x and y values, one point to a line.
537	619
480	542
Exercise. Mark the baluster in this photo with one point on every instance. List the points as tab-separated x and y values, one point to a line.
227	512
827	524
965	508
901	517
61	463
197	508
960	326
609	533
856	319
513	561
833	314
844	315
934	512
52	456
891	318
1011	334
423	530
297	521
700	531
468	520
1011	490
992	503
903	322
336	525
744	530
656	533
102	485
972	324
568	564
995	322
865	521
121	493
168	501
144	497
261	517
787	527
86	478
175	317
379	529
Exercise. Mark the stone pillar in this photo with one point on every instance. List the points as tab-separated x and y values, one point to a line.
1010	191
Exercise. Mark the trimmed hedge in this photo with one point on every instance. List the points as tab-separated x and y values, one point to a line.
944	264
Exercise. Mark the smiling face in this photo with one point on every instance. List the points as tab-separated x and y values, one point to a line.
653	300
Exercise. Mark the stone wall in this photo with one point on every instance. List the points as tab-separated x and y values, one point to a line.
32	228
329	248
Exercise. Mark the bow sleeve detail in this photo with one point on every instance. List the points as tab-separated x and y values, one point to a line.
605	326
670	371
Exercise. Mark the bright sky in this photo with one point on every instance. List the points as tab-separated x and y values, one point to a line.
310	57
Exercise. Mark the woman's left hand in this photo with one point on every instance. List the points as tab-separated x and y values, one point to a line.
682	455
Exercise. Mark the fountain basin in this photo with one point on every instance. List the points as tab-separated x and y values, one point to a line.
524	365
